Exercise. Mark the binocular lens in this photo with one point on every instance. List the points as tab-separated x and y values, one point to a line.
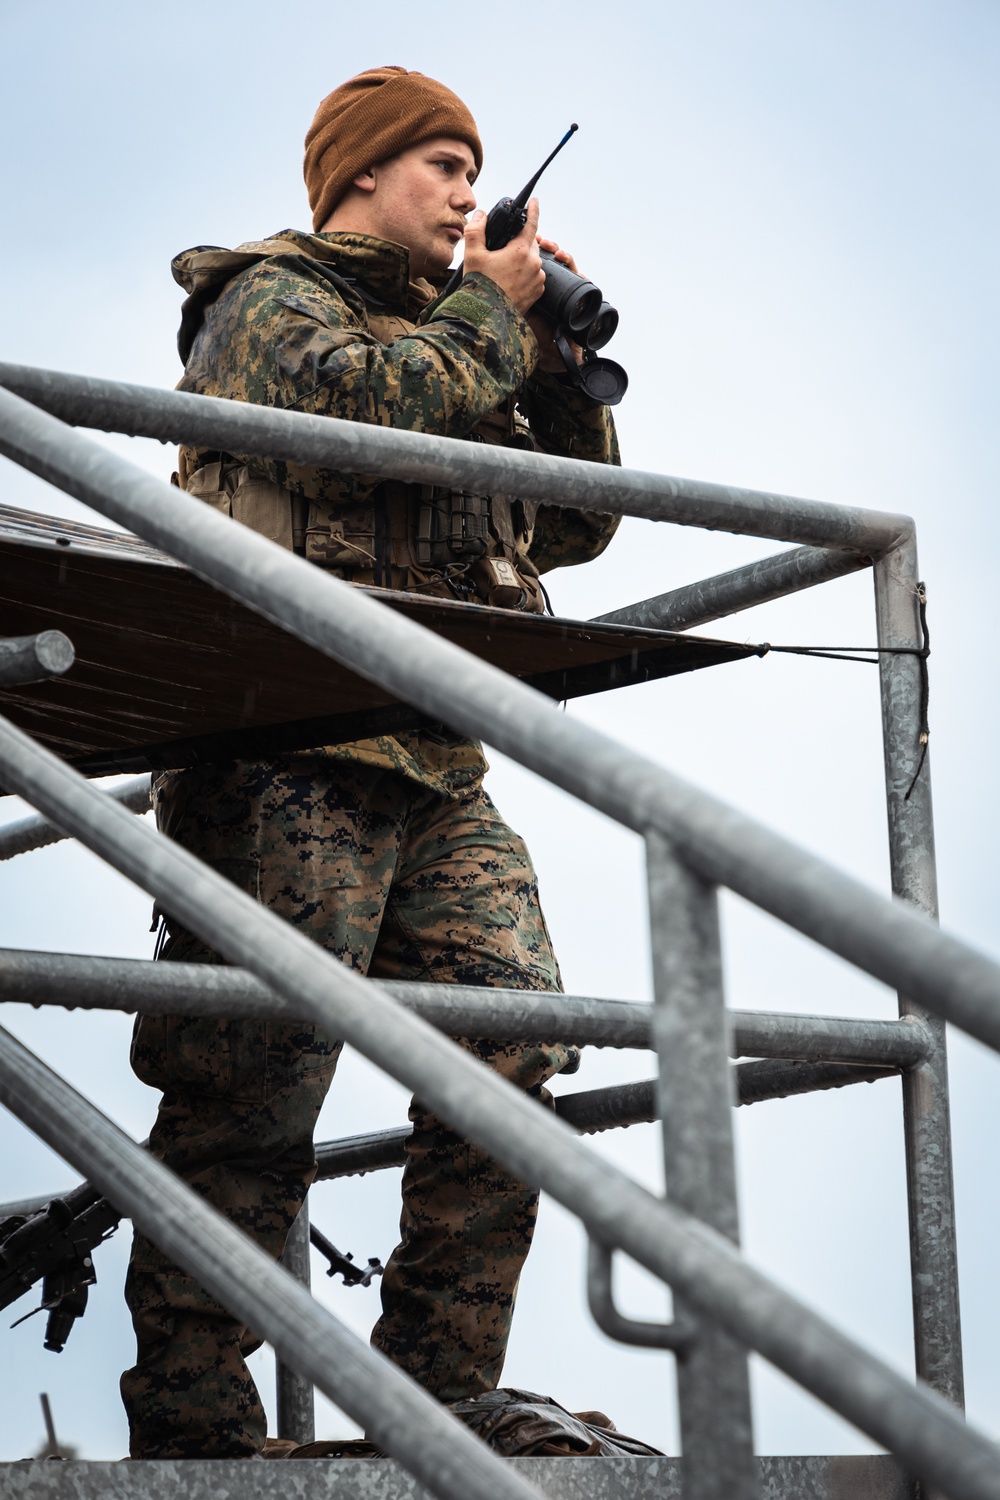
604	326
581	310
568	301
579	313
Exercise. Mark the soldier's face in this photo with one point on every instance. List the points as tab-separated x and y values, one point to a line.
420	199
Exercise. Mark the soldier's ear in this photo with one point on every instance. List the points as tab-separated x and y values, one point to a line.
365	181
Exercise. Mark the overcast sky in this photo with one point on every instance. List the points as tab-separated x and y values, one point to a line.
794	205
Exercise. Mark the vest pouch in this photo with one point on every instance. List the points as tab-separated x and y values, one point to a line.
341	536
258	503
263	506
500	584
451	526
207	484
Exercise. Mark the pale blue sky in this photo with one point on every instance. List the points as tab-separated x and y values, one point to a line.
794	205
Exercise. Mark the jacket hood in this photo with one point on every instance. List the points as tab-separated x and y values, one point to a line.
381	267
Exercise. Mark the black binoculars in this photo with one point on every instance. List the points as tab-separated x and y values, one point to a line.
582	316
575	307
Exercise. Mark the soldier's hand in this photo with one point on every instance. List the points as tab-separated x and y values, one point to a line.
517	268
549	357
561	255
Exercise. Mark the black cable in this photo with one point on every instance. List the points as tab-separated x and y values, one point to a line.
840	653
925	687
871	657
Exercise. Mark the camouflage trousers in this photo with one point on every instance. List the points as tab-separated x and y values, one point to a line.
398	882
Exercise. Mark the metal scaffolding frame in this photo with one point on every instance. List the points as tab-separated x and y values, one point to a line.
694	843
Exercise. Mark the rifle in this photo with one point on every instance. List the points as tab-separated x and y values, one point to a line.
54	1245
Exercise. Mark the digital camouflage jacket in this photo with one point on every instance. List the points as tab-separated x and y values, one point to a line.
328	324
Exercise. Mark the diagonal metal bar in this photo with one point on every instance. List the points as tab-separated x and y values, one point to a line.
741	588
400	1416
26	834
701	1265
77	980
363	448
726	848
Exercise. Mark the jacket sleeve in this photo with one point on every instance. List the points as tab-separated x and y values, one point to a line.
566	422
276	337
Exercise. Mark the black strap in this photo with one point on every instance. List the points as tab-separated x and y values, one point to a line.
383	539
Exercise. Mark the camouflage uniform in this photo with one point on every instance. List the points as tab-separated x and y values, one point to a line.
387	852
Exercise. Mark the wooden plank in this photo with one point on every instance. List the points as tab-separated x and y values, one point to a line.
170	671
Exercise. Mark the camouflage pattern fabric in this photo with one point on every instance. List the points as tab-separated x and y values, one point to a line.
290	322
397	882
285	322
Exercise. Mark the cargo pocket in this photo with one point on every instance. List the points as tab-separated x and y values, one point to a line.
202	1054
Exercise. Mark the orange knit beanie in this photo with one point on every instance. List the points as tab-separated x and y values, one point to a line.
370	118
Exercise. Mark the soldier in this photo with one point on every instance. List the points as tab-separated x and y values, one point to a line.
387	852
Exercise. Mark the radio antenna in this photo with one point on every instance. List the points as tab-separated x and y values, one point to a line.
522	198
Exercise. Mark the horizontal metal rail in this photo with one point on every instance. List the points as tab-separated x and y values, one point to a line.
589	1111
741	588
363	448
701	1265
398	1414
33	658
79	981
26	834
725	847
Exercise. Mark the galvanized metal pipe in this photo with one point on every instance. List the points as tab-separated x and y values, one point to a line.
725	847
587	1110
399	1415
677	1335
79	981
33	658
295	1400
695	1099
701	1265
926	1119
622	1104
592	1110
363	448
26	834
741	588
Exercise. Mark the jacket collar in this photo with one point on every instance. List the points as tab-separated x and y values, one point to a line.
380	269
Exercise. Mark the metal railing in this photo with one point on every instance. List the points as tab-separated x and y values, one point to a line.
694	845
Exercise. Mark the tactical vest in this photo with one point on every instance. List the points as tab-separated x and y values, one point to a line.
420	538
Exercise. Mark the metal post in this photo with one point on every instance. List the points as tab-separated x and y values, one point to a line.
296	1406
689	1027
926	1122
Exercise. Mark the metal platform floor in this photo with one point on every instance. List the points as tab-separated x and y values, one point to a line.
786	1478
